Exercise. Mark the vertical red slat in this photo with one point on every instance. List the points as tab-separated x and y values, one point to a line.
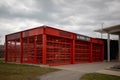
73	52
21	48
35	55
15	51
91	52
6	49
44	49
102	52
28	55
10	54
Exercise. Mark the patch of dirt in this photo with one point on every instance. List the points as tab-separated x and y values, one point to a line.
115	67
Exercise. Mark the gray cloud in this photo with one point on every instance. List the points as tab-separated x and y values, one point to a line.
81	16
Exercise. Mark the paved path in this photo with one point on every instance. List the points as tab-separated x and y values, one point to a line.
109	72
62	75
87	67
74	72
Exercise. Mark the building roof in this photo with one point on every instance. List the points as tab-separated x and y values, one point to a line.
112	30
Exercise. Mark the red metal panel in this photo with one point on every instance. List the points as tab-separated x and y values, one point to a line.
73	49
35	53
18	50
33	32
39	48
21	48
15	51
102	55
13	36
31	50
97	41
73	52
25	50
58	50
91	55
6	49
82	51
28	55
60	33
44	49
97	50
10	54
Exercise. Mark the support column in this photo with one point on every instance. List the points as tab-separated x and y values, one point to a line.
91	52
119	47
15	51
44	49
6	49
73	52
10	52
102	55
21	48
108	48
35	52
28	49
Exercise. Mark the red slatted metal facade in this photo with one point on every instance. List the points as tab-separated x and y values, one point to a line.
50	46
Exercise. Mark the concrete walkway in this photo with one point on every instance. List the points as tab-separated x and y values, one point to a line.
109	72
74	72
62	75
87	67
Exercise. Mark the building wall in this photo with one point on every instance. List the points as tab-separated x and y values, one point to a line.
46	45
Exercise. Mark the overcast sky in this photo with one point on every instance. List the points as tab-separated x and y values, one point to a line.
80	16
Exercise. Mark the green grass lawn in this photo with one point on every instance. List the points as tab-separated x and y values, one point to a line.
96	76
21	72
